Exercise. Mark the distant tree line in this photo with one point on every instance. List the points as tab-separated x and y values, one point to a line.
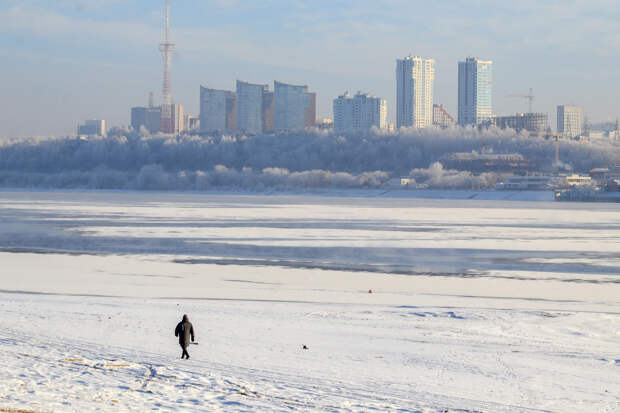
312	158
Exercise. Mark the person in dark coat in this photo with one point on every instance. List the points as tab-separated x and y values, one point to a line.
184	332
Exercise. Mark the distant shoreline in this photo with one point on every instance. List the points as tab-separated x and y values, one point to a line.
455	194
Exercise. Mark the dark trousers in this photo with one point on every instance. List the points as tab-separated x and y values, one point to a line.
185	353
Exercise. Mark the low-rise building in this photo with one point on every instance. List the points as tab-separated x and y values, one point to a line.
92	127
192	122
442	118
527	182
325	123
486	162
148	118
407	181
578	180
602	175
532	122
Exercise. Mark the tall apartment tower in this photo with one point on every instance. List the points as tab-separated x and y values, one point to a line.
415	79
475	104
359	113
268	112
250	108
295	107
178	118
569	121
218	110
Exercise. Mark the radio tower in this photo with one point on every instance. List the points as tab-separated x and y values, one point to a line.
167	48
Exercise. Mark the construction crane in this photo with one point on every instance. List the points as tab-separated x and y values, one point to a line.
529	97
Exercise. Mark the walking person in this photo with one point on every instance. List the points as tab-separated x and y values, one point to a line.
184	332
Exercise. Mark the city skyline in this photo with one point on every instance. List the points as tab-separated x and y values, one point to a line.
114	62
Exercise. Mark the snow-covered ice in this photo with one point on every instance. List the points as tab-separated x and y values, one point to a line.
476	305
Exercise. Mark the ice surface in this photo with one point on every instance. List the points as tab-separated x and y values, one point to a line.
476	305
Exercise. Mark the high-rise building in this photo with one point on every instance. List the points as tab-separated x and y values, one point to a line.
569	121
310	111
442	118
343	113
250	115
360	112
475	91
178	120
148	118
218	110
415	79
295	107
93	127
268	111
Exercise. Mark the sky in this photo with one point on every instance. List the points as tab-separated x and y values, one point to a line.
64	61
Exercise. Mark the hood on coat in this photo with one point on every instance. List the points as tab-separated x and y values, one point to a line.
185	317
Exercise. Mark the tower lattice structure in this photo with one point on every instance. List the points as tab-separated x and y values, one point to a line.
167	48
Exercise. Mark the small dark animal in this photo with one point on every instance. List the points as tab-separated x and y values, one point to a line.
305	347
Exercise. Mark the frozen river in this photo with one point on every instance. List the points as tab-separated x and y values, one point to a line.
475	305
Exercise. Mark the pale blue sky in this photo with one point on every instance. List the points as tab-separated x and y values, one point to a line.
63	61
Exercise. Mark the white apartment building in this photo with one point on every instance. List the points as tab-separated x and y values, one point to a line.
569	121
360	112
178	119
475	103
415	83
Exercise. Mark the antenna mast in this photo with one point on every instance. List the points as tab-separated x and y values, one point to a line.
167	48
